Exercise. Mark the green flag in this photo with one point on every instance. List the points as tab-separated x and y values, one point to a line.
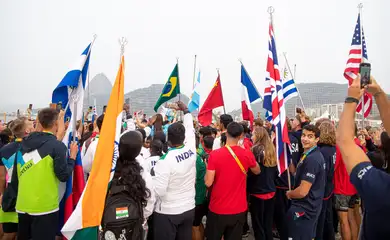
171	88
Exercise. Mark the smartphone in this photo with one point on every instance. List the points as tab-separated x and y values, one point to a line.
298	110
365	72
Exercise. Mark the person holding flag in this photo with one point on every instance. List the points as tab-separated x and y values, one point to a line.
42	162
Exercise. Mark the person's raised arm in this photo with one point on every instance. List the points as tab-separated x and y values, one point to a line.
381	101
189	126
351	153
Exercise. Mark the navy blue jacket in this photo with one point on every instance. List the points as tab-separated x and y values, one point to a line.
265	181
329	154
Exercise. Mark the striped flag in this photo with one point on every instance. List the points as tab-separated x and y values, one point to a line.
195	98
357	55
84	222
289	88
249	94
70	91
274	103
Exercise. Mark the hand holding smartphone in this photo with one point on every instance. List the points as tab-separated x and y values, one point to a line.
365	74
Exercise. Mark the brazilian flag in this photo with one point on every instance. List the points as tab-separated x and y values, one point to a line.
171	88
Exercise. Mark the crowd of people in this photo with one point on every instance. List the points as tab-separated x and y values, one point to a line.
183	176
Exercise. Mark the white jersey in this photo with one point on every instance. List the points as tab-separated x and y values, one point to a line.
175	173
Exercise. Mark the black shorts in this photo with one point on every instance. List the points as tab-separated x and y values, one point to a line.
229	226
344	202
42	227
200	212
300	225
10	227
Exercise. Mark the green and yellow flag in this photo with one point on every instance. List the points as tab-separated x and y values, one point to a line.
171	88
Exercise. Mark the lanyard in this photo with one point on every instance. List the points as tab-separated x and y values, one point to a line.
306	154
18	139
48	132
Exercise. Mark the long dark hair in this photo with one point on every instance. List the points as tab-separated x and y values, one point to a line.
161	136
158	123
128	170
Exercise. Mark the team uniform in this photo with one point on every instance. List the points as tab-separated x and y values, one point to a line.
303	213
7	156
39	172
228	200
373	186
174	181
325	228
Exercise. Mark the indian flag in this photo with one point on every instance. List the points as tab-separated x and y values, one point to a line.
86	218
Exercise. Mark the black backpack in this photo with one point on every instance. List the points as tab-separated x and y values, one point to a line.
122	216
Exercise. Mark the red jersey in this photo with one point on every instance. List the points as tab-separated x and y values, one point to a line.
342	184
228	194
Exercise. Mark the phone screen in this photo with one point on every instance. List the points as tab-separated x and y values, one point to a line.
365	71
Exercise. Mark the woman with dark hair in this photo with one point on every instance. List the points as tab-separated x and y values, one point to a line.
327	146
162	137
158	125
130	173
262	187
156	151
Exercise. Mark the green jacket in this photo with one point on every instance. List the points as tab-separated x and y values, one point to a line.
200	186
39	172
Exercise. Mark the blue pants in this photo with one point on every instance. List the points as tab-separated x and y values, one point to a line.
300	225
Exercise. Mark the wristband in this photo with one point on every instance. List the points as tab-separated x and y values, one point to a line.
351	100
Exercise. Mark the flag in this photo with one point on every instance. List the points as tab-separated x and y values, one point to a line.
195	98
214	100
87	216
71	91
171	88
289	88
274	103
71	87
249	94
357	55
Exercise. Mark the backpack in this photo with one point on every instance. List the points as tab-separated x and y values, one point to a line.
122	216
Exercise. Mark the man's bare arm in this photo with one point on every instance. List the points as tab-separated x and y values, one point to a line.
381	101
351	153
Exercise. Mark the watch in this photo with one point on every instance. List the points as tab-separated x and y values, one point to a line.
351	100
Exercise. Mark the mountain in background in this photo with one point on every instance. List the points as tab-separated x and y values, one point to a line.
139	99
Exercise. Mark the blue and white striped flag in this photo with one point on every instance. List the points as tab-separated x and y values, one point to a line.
71	90
289	88
195	98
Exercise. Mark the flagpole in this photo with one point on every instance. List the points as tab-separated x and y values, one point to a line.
193	79
289	69
360	7
219	77
178	77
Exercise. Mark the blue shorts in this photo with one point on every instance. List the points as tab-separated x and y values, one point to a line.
300	225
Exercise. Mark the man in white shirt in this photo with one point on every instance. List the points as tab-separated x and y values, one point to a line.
174	182
224	121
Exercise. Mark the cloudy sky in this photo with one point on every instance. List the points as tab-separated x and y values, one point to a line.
41	39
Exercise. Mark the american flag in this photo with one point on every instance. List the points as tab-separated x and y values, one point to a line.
274	103
357	55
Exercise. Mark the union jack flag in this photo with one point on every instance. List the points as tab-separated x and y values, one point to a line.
357	55
274	103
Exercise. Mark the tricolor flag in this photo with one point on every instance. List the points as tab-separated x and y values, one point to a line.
84	222
195	98
357	55
70	92
274	103
249	94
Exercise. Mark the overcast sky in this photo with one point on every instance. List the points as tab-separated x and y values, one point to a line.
41	39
